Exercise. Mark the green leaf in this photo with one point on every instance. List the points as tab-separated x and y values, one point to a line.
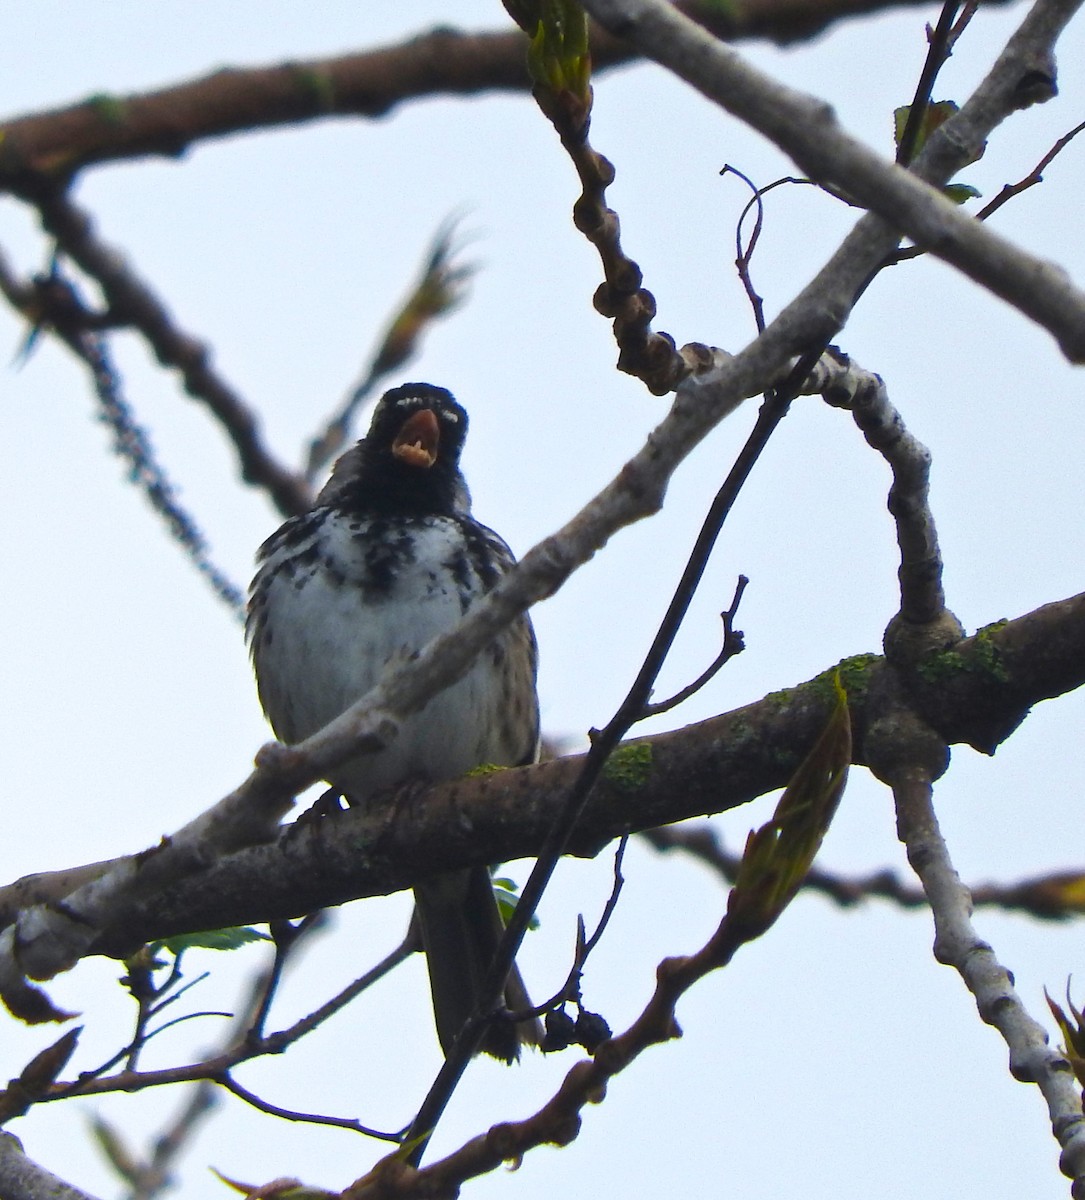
507	895
780	853
558	59
960	193
936	113
212	939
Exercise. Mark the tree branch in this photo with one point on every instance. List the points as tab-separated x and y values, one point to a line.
443	62
806	129
977	692
957	944
23	1179
47	940
1052	897
864	394
133	302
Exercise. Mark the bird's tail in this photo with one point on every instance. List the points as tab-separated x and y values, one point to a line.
461	926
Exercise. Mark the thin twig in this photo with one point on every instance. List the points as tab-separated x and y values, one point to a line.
1034	177
938	51
133	303
604	742
744	253
285	1037
733	643
150	1177
1009	192
248	1047
286	938
612	901
227	1081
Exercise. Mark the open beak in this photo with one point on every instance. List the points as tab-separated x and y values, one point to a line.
416	443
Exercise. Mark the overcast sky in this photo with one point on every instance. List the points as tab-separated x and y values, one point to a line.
835	1058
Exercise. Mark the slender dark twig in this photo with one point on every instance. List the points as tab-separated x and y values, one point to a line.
1034	177
937	53
276	1042
604	742
1009	192
227	1081
286	937
744	253
732	644
612	900
214	1067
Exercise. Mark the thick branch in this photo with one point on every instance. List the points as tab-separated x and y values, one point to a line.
23	1179
48	940
371	83
957	944
978	692
806	129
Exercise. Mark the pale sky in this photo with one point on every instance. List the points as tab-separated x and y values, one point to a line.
834	1058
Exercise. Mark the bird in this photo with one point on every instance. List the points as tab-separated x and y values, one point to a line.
388	557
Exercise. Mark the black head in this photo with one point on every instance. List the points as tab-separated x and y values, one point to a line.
409	461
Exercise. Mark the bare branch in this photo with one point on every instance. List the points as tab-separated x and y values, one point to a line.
1054	897
977	692
1034	177
806	129
133	303
733	643
845	385
22	1179
957	944
938	51
371	83
289	1114
216	1067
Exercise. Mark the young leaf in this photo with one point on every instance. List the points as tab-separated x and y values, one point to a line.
507	894
779	854
960	193
212	939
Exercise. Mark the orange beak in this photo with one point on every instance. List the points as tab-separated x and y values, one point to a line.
416	443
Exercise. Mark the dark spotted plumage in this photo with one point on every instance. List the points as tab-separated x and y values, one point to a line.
389	557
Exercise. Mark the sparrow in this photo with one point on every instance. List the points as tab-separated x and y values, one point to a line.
388	557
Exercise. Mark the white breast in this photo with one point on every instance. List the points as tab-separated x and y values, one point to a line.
333	605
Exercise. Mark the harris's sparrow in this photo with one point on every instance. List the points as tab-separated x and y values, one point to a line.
388	557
